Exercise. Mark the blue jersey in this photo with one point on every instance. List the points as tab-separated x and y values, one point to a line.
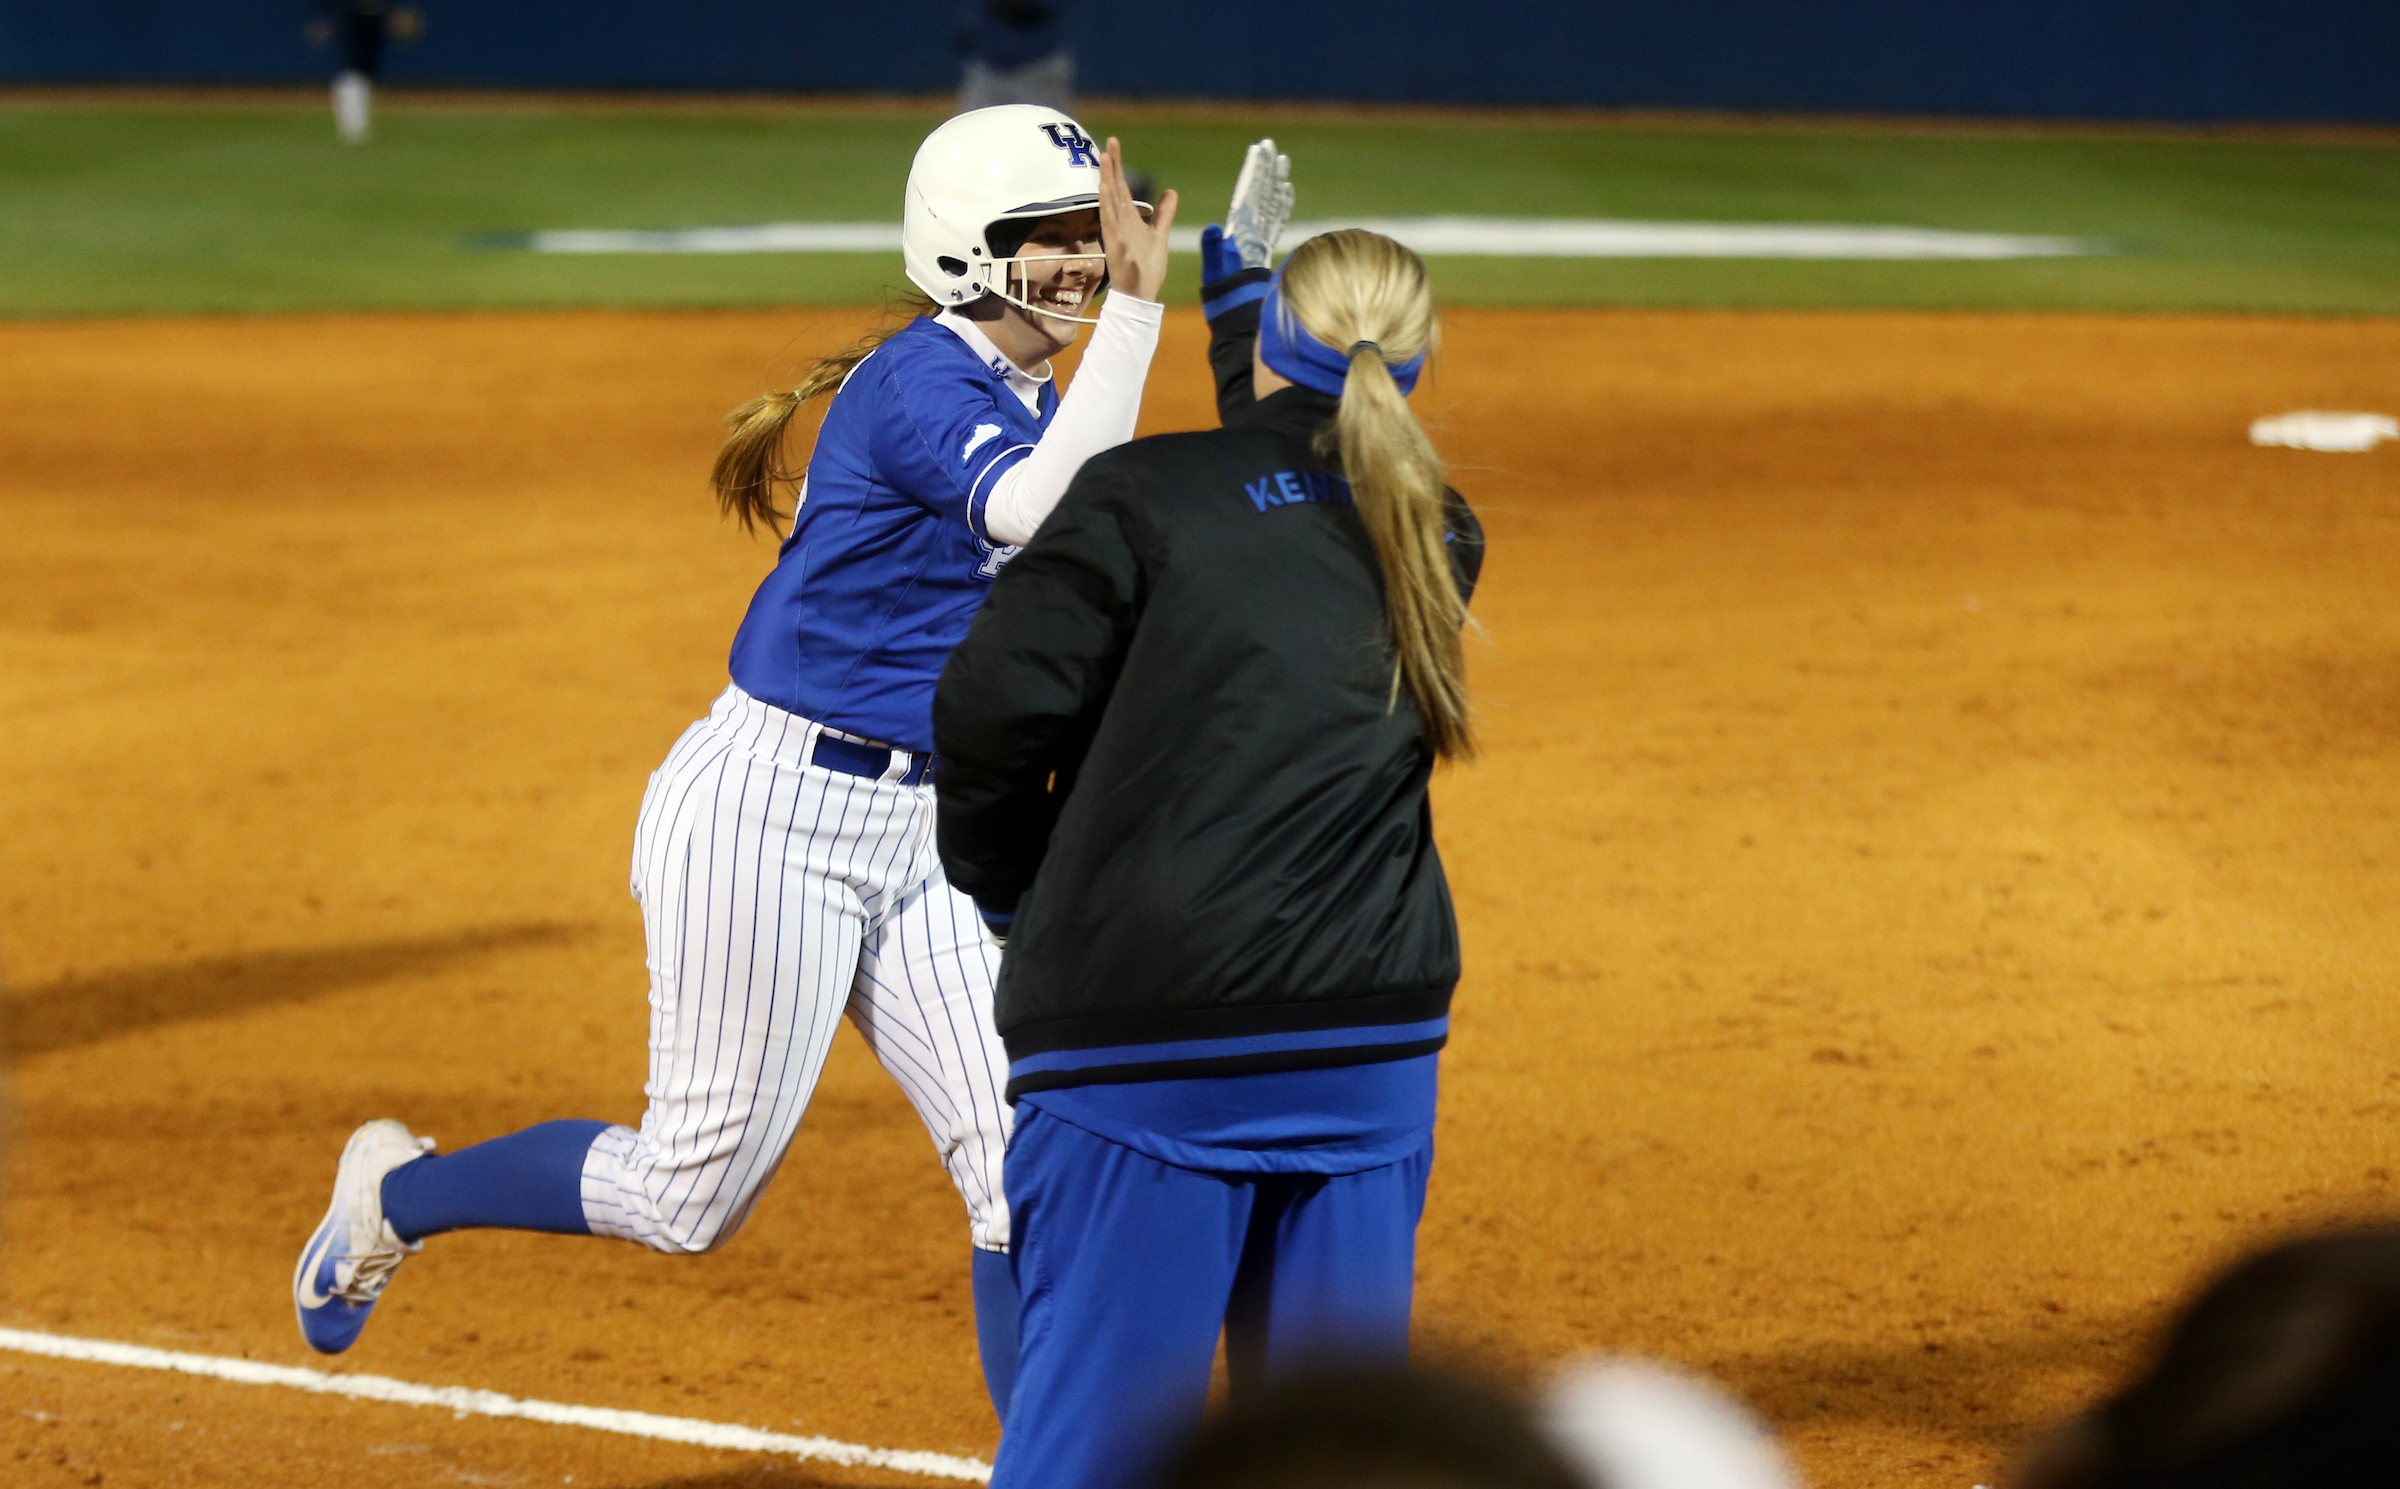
888	558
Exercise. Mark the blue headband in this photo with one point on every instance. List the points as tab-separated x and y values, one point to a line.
1285	345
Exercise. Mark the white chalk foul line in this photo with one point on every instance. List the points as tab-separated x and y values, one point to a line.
470	1403
1502	237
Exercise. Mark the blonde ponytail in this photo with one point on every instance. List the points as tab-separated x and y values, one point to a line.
750	467
1364	291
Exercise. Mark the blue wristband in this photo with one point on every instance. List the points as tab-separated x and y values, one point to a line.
1219	258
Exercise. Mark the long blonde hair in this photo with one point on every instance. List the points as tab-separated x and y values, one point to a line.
750	468
1363	291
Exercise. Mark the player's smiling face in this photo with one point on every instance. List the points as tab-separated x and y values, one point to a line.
1061	268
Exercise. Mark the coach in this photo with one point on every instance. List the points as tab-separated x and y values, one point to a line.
1184	752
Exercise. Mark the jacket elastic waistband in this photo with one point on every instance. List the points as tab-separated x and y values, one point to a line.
1238	1040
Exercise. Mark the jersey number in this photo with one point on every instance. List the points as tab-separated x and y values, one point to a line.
994	558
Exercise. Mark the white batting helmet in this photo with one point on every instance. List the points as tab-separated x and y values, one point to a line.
1016	161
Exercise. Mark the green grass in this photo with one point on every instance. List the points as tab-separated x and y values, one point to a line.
148	210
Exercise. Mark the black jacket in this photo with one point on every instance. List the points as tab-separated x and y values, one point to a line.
1170	751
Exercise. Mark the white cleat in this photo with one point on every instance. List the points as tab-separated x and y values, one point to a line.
351	92
354	1252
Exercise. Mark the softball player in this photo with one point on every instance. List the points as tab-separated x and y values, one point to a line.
784	859
1185	748
358	29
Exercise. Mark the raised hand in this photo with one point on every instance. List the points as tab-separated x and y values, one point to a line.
1262	203
1137	249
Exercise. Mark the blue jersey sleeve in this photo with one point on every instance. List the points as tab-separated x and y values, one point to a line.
948	435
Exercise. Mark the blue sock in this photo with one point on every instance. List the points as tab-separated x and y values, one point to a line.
530	1180
996	1306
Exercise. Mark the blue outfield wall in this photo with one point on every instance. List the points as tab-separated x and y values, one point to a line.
794	45
2296	60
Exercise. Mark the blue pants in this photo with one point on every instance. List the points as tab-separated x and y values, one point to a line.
1129	1267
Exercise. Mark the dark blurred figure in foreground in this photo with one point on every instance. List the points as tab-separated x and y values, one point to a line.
1642	1424
2282	1374
1599	1423
1374	1429
1015	51
358	29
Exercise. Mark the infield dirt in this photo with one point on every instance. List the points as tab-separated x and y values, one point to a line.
1928	892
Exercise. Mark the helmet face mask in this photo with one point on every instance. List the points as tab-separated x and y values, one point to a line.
1034	259
994	169
1013	272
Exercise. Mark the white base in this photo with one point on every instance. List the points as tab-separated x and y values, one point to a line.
2325	429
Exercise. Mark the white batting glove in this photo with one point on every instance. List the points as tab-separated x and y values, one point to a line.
1262	204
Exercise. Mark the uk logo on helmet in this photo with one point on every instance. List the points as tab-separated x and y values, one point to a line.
1078	145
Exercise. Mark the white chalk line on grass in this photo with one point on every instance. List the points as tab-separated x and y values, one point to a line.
472	1403
1499	237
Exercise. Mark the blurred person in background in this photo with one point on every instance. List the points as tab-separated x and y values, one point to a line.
1016	51
358	30
2284	1373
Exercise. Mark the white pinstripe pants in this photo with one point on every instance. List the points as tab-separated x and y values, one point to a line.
776	895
